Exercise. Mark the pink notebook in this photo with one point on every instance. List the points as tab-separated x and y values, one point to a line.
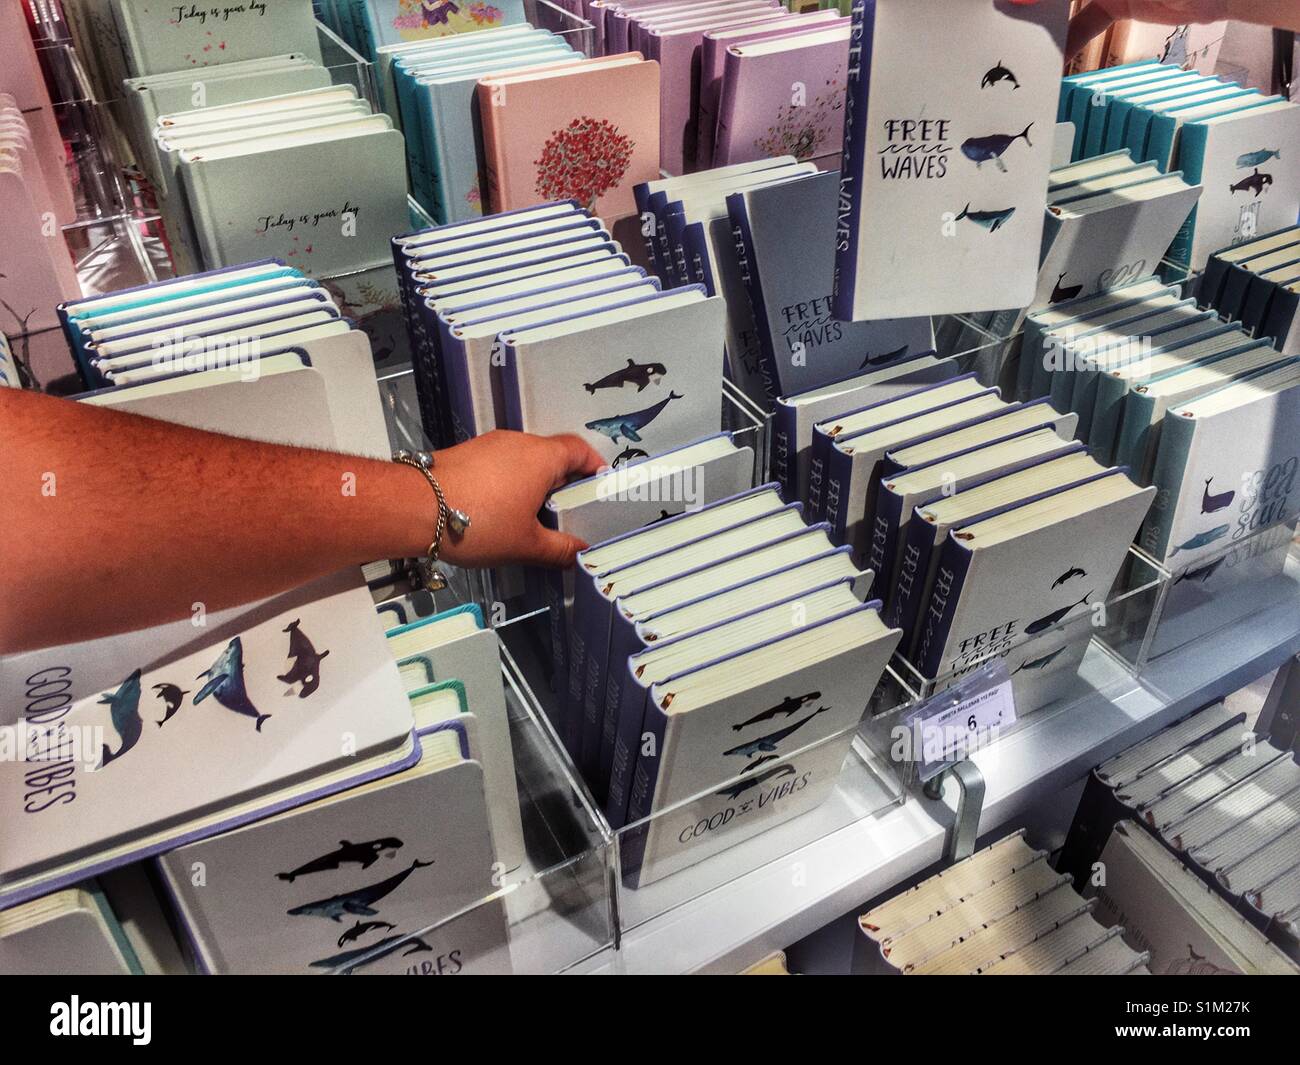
713	53
587	131
783	96
677	50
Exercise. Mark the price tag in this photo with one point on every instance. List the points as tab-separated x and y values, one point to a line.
951	725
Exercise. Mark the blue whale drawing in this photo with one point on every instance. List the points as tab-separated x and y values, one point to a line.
1252	159
124	710
990	220
629	426
1201	539
360	903
983	149
225	683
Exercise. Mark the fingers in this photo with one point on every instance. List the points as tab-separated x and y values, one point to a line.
555	549
577	458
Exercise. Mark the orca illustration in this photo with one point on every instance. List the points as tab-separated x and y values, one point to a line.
634	373
768	743
628	454
362	854
1256	183
172	697
306	664
996	74
360	902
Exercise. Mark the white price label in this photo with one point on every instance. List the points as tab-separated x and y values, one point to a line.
957	724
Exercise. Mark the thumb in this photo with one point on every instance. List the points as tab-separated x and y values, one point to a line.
553	549
574	458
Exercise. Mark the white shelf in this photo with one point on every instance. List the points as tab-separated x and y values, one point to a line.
775	905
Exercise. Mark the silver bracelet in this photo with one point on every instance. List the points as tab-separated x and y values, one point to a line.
448	517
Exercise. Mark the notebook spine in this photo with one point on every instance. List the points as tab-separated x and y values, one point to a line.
748	266
853	159
941	610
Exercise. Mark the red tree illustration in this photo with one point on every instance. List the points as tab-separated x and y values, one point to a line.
583	161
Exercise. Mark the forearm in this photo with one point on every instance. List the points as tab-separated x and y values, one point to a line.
137	521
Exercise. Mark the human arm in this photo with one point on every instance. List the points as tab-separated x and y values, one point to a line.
116	522
1099	14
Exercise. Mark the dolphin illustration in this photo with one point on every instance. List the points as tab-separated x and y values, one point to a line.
1048	620
361	928
1039	664
1201	539
983	149
628	454
996	74
1253	159
1256	183
362	854
741	786
788	706
634	373
628	426
768	743
124	710
172	697
225	683
1064	292
360	902
1072	572
306	662
990	220
349	959
889	356
1210	502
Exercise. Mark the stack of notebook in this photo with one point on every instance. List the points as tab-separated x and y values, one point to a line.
757	234
225	730
364	880
1226	138
432	88
73	931
719	661
1213	798
36	268
586	130
1257	283
944	176
310	176
1109	220
258	351
534	320
1002	911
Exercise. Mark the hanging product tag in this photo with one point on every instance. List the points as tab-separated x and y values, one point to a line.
958	721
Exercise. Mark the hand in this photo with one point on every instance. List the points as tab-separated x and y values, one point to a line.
1098	15
501	479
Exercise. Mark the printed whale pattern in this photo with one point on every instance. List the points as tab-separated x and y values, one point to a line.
629	426
225	683
124	711
767	744
634	373
982	150
362	854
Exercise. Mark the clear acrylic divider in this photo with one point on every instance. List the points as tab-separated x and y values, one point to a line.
1249	576
1100	650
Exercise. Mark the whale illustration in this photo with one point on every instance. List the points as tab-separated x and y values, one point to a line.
741	786
889	356
124	711
990	220
788	706
629	426
306	662
996	74
172	697
981	150
362	854
349	959
360	902
1201	574
1064	292
628	454
1073	571
1039	664
1252	159
1256	183
768	743
634	373
1048	620
361	928
1210	502
1201	539
225	683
